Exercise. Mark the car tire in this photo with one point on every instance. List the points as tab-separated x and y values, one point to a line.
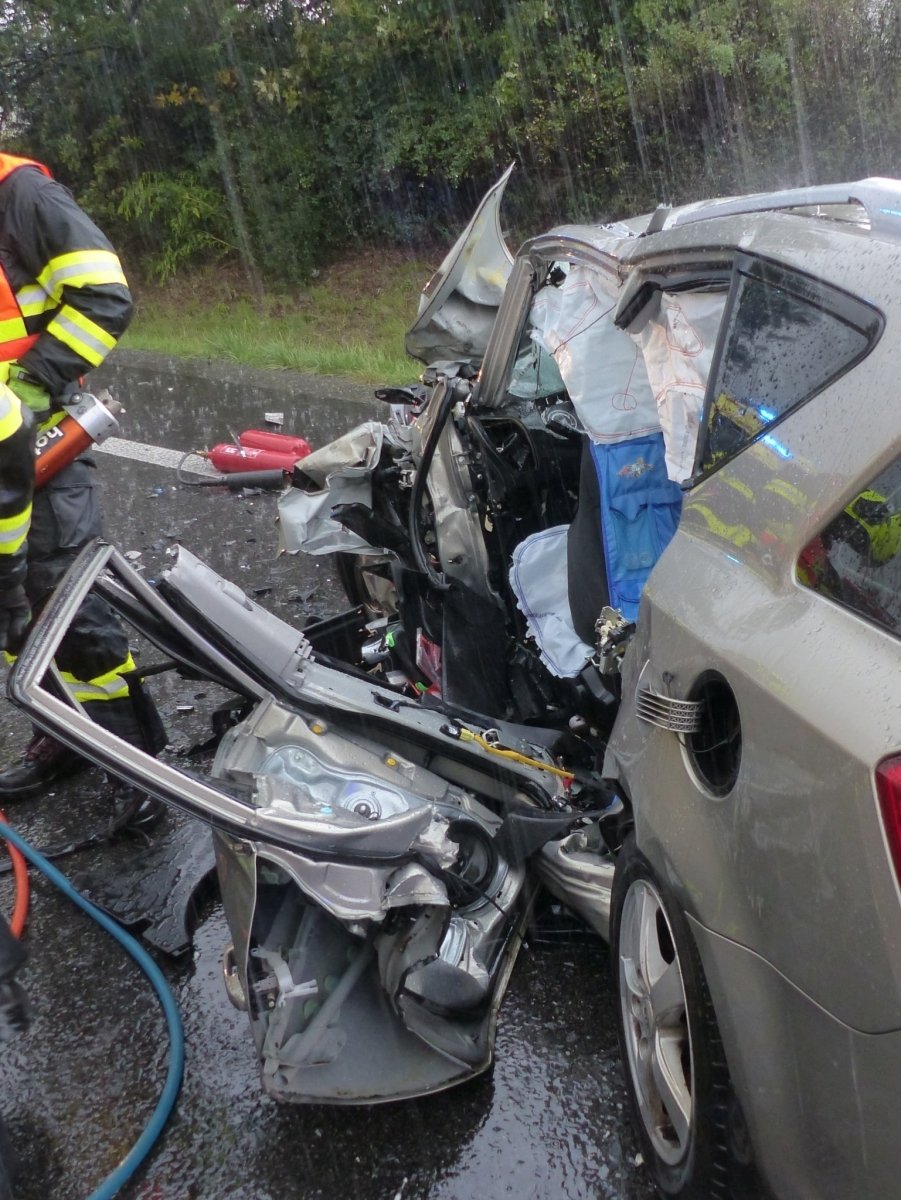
688	1119
351	570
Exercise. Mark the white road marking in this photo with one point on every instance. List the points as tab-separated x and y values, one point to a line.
193	464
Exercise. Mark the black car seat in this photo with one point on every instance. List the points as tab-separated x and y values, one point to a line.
585	566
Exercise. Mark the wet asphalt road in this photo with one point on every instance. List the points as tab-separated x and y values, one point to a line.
549	1121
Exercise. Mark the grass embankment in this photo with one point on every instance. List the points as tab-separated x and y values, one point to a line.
349	321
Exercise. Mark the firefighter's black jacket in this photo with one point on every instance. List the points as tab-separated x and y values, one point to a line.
73	303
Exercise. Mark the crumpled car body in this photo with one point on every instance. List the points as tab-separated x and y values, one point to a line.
593	559
371	852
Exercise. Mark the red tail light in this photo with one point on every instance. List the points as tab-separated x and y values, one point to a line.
888	785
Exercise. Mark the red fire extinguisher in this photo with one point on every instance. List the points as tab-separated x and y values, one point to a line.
227	458
87	420
259	450
282	443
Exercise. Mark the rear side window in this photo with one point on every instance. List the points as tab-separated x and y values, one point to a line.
856	560
785	337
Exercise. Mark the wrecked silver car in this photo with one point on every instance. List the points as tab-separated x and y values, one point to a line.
590	559
371	851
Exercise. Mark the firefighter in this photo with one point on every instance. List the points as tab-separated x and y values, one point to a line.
64	303
17	476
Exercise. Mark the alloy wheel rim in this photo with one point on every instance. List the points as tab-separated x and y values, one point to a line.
655	1020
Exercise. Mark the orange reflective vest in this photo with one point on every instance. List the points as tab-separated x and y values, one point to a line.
14	340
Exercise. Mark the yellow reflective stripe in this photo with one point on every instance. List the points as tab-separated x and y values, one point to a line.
33	300
84	692
110	686
81	268
10	413
50	422
14	530
12	329
739	535
82	335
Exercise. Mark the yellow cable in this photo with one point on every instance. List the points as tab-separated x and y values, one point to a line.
467	735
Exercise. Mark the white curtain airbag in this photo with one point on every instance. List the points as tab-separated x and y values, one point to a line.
677	347
601	365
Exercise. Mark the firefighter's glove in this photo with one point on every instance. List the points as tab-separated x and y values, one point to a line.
14	617
30	391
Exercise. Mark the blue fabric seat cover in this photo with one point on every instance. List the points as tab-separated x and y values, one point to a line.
640	509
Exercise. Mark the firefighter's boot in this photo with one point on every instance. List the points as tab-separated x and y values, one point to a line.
136	720
44	761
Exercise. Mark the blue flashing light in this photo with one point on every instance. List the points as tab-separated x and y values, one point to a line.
782	451
767	414
890	212
732	558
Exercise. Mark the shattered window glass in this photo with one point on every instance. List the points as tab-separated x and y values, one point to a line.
786	337
535	375
856	559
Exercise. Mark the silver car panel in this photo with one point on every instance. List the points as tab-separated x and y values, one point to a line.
458	305
820	1097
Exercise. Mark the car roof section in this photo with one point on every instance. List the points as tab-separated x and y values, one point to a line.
879	198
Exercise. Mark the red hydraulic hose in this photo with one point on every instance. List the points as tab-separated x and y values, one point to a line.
23	889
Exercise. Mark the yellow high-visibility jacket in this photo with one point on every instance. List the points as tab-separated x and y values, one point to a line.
64	303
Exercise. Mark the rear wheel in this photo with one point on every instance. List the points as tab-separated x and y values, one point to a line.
676	1073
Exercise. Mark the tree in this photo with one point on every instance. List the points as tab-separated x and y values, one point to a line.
280	131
